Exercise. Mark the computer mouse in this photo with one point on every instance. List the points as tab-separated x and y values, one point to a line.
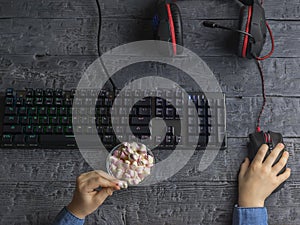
271	139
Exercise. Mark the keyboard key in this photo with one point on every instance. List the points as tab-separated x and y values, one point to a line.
140	120
49	101
58	92
65	120
159	112
23	111
19	140
39	92
19	102
34	120
44	120
29	129
32	111
52	111
43	111
54	120
29	101
32	140
63	111
29	92
59	130
144	102
58	101
10	111
24	120
39	129
170	113
104	121
9	92
9	101
10	120
144	111
49	92
140	130
69	130
55	141
12	129
7	139
39	101
49	129
108	139
159	102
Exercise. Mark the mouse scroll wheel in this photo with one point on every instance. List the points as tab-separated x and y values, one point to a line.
270	143
269	137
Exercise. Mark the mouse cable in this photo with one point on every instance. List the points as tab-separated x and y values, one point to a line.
98	47
263	94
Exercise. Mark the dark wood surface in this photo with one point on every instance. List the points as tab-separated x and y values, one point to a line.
50	43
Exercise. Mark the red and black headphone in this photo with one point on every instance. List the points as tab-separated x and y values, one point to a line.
253	21
167	25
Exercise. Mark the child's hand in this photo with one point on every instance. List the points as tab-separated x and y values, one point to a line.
259	179
86	199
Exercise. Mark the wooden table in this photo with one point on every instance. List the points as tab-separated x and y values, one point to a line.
50	43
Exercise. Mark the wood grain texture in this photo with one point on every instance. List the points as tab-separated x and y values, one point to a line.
276	9
78	36
50	44
167	203
237	77
65	165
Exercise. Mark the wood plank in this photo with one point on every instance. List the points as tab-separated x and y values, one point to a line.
236	76
276	9
66	165
168	203
78	36
281	114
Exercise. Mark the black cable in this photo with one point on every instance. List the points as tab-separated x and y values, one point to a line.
98	47
258	129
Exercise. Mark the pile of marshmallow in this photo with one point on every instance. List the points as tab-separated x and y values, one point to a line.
130	162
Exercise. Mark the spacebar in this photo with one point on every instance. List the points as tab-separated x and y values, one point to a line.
56	141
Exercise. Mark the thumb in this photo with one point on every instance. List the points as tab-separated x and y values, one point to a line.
244	168
103	194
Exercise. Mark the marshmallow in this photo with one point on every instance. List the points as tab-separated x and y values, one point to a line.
131	163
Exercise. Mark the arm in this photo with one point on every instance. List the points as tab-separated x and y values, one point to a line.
87	197
256	182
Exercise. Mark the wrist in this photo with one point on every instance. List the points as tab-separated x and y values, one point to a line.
251	203
75	211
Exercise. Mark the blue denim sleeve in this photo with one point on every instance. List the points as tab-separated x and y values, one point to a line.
250	216
64	217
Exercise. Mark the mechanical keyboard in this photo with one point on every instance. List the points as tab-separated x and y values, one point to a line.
42	118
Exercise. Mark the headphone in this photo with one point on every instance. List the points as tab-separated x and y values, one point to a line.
167	24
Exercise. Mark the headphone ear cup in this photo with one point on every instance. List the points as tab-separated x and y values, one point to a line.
243	27
177	24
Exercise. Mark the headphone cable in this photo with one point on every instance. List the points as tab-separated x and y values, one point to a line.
273	45
98	47
258	129
257	60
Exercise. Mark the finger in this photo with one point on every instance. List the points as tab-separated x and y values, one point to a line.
244	168
96	173
94	181
274	155
281	163
261	153
283	177
102	195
